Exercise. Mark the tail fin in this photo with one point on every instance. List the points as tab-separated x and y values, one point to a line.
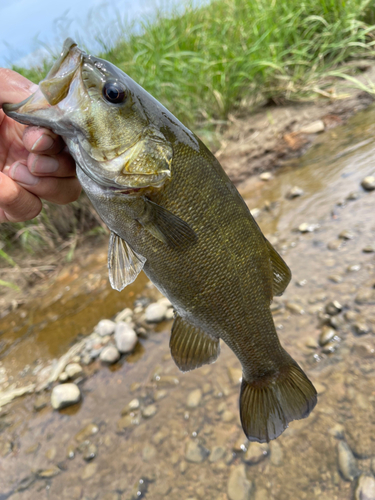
267	405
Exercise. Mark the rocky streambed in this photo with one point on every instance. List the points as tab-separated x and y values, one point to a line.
107	415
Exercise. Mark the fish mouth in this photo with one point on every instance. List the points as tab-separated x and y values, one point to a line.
36	109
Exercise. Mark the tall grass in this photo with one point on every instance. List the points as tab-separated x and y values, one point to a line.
230	54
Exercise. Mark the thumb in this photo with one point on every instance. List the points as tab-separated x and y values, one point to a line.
14	87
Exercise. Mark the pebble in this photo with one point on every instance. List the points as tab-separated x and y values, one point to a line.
40	402
346	462
105	327
363	350
195	452
346	235
73	370
365	489
227	416
311	343
158	395
353	268
194	398
86	432
305	227
360	328
294	192
109	354
265	176
353	196
313	127
359	438
216	454
155	312
294	308
239	487
365	297
334	244
90	470
130	407
125	337
89	452
336	278
326	335
256	452
148	453
125	315
368	183
47	473
235	375
65	395
368	249
333	308
149	411
330	348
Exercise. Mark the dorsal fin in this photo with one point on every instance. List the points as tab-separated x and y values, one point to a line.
191	347
124	264
281	272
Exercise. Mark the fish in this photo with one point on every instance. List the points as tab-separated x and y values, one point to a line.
173	212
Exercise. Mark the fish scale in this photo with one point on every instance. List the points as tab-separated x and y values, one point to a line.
173	211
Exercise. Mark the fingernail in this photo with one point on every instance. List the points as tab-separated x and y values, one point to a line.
6	171
44	165
43	143
20	173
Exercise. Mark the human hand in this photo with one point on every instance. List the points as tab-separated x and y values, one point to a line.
33	162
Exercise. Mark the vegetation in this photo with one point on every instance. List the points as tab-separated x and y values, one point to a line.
219	58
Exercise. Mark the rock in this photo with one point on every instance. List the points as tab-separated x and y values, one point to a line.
365	297
124	316
365	489
239	487
217	453
326	335
256	452
47	473
149	411
353	196
307	228
86	432
148	453
165	302
105	327
294	308
194	398
227	416
63	377
313	127
155	312
265	176
195	452
126	422
359	438
131	407
125	337
235	375
311	343
294	192
169	314
73	370
158	395
346	235
336	278
51	453
89	471
65	395
368	183
40	402
353	268
334	244
368	249
360	328
89	452
109	354
330	347
333	308
363	350
346	462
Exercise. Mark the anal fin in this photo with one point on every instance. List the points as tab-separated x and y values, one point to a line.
191	347
124	264
281	272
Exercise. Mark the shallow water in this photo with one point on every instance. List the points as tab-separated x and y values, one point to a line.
140	457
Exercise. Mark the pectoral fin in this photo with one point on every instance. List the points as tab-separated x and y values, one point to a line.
165	226
281	272
191	347
124	264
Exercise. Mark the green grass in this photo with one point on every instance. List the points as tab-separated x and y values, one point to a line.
230	55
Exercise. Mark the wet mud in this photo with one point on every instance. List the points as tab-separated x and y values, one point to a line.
145	430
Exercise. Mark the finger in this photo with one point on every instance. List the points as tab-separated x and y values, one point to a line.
14	87
16	203
61	165
57	190
41	140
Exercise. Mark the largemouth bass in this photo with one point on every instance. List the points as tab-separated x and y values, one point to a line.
174	213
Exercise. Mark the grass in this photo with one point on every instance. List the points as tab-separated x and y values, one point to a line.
220	58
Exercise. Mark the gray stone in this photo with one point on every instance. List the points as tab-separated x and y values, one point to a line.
256	452
368	183
346	462
149	411
195	452
155	312
109	354
217	453
239	487
125	337
73	370
294	192
105	327
65	395
365	489
194	398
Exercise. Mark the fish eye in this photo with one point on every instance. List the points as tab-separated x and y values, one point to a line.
114	92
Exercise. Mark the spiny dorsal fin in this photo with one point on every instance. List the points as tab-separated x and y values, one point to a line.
191	347
124	264
281	272
166	226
